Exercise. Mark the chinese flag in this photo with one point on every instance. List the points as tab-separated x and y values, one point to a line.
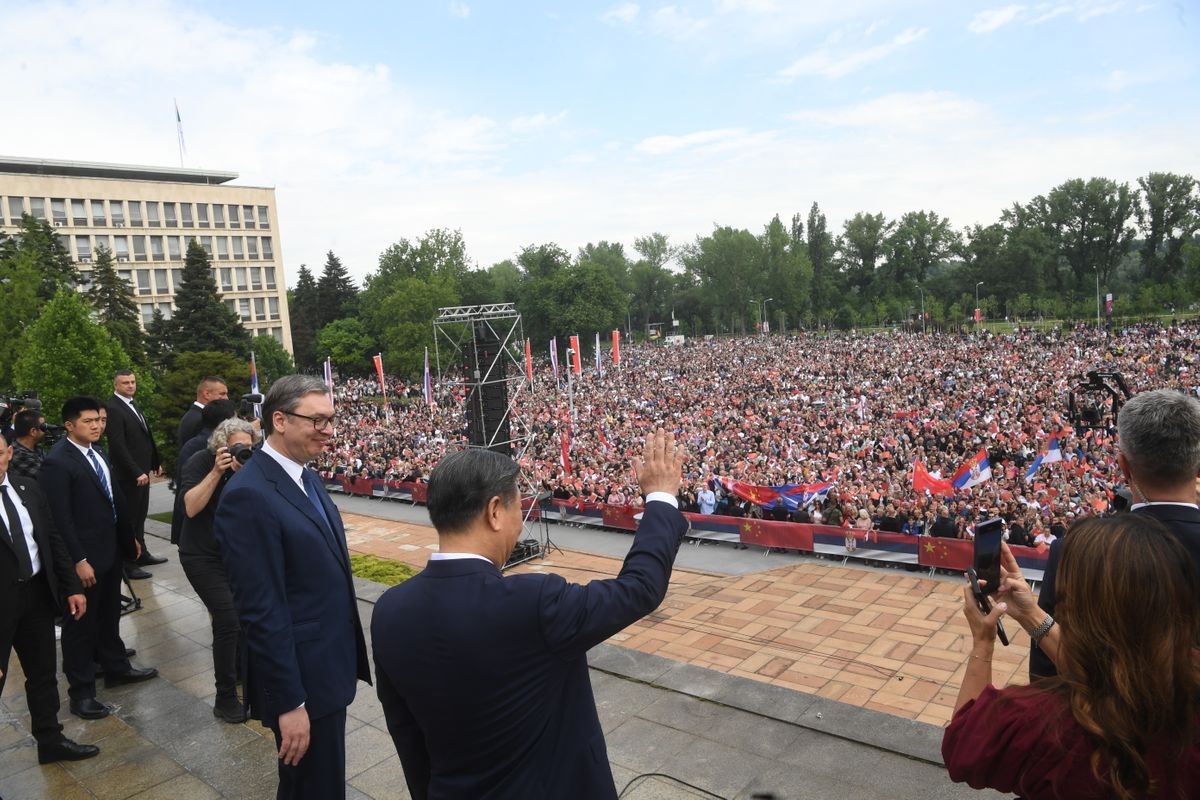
955	554
923	481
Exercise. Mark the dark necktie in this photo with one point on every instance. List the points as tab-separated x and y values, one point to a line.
314	497
17	532
103	480
138	414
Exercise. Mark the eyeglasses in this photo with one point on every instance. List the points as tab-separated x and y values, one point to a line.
319	423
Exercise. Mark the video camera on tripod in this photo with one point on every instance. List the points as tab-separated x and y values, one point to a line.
1095	402
11	405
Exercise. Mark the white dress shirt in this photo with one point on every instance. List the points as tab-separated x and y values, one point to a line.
26	525
294	470
99	460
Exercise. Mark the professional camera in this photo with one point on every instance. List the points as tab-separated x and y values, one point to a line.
241	452
1096	401
248	401
20	401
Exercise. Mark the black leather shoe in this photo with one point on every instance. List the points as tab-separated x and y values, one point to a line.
134	675
136	573
130	652
148	559
65	750
229	709
89	708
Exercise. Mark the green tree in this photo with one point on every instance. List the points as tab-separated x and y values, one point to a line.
411	307
820	255
177	390
1090	221
863	243
506	281
919	240
611	256
346	342
434	266
20	281
37	239
728	267
115	306
160	334
303	310
202	323
541	265
271	359
1168	215
65	353
336	294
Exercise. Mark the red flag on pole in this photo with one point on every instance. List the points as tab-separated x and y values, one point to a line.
617	348
924	482
565	451
528	362
382	386
576	366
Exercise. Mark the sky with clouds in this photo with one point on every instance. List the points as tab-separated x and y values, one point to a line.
530	122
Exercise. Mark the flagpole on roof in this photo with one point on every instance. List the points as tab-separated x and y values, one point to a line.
179	131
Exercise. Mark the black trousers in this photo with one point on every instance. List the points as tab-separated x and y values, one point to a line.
28	628
321	774
137	499
96	637
208	578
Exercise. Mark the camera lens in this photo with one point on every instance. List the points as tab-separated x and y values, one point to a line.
241	452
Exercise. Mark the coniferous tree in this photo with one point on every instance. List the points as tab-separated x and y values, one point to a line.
302	307
336	293
160	333
202	321
38	240
115	306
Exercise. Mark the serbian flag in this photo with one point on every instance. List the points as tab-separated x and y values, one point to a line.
554	358
924	482
599	363
1052	453
528	362
565	451
617	348
791	495
253	380
576	367
973	472
427	384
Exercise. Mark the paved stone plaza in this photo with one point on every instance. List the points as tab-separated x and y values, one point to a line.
727	734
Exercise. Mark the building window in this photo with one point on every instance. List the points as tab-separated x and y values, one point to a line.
233	216
101	241
169	216
273	306
127	276
122	247
65	241
248	216
237	248
244	309
173	251
139	248
78	211
278	334
260	308
16	207
270	274
83	248
223	248
176	279
135	213
185	213
202	214
167	310
98	216
160	282
37	207
116	210
206	243
85	279
147	314
268	252
252	247
255	279
240	274
226	279
152	213
232	304
58	208
143	279
156	248
262	217
218	215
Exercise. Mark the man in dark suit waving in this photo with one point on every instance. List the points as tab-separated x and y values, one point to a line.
89	513
284	549
483	678
134	458
36	576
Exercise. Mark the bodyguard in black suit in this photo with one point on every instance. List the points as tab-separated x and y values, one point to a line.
484	678
134	456
284	549
89	513
37	580
1159	438
210	388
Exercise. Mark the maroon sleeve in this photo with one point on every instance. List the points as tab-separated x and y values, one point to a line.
997	740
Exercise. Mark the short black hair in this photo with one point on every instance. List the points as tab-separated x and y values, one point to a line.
121	372
463	483
78	404
25	421
217	412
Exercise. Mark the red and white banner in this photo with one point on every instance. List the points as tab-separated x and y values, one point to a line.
576	366
378	358
565	452
528	362
617	348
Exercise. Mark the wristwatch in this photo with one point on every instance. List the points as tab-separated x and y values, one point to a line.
1038	633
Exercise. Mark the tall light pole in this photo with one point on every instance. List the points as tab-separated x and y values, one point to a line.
1097	269
764	314
922	291
977	285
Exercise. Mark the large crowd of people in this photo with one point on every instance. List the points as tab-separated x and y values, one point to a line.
854	410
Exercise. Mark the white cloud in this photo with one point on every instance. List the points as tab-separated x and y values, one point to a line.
994	19
678	24
921	111
830	63
460	9
536	122
1047	13
626	13
752	6
720	140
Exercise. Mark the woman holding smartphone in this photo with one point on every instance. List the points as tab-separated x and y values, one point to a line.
1120	718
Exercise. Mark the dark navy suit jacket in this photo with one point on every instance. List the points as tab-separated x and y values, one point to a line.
81	510
294	593
484	680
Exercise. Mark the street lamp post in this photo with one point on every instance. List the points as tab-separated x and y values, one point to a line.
977	285
765	325
922	291
1097	269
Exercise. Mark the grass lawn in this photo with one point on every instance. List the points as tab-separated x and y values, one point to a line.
380	570
162	516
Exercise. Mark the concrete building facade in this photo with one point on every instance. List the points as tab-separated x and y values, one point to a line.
147	216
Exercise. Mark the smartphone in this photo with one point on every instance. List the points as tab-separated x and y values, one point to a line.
988	536
985	605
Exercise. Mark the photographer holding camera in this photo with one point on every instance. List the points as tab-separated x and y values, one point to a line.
202	479
30	428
